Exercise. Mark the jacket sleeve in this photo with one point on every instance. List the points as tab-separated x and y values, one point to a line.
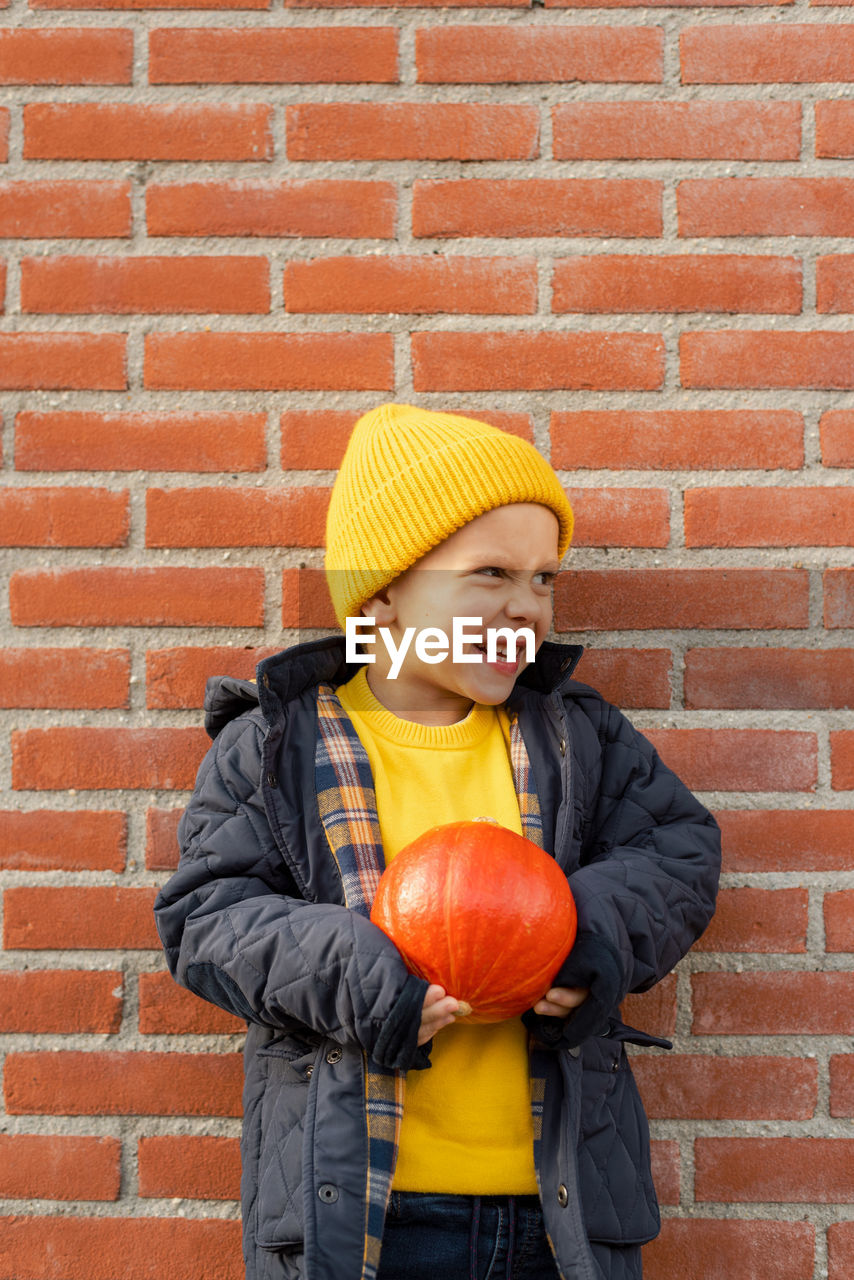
650	863
235	930
647	881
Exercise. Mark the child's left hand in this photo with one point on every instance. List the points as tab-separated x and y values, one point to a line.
559	1002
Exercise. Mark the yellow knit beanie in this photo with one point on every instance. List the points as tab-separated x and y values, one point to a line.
409	479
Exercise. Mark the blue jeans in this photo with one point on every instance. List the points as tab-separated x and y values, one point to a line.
438	1237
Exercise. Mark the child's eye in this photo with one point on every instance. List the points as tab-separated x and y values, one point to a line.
490	570
545	579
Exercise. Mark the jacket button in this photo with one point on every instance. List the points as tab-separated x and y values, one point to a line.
266	680
561	746
271	780
327	1193
562	1196
334	1055
309	1071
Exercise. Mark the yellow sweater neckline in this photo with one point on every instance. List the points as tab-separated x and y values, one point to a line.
464	734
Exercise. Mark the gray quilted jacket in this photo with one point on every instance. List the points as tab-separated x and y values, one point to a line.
253	919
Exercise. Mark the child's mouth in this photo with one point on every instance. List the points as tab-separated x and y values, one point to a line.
499	662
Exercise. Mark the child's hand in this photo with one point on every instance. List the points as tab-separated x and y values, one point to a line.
559	1002
439	1010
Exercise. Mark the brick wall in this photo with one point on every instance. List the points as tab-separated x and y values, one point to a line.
226	230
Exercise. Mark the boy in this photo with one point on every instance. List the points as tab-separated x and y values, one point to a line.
381	1136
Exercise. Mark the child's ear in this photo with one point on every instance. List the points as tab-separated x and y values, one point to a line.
381	607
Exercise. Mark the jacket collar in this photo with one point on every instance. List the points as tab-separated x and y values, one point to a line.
287	675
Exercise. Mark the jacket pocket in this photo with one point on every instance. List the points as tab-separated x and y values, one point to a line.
287	1065
617	1193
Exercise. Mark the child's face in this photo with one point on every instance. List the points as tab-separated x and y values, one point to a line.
499	569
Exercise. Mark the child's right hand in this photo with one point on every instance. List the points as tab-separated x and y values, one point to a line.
439	1010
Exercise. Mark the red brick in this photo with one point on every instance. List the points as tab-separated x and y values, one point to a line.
773	1004
85	55
838	598
842	1085
192	1168
837	438
59	209
834	130
106	759
412	131
537	361
77	1248
766	207
740	759
517	54
62	361
152	131
774	1170
766	921
666	1169
422	285
671	439
786	839
608	517
269	361
654	1010
842	760
293	55
236	517
90	678
64	1001
840	1235
406	4
822	360
4	130
116	1084
64	840
839	921
150	4
167	1009
89	441
789	53
628	677
656	4
760	517
176	677
315	439
321	208
138	597
511	207
108	285
835	284
64	517
306	602
36	1166
700	1249
681	282
161	839
630	599
677	131
93	918
769	678
708	1087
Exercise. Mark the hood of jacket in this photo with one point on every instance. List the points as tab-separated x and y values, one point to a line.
288	674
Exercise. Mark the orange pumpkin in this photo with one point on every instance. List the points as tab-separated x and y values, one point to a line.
480	910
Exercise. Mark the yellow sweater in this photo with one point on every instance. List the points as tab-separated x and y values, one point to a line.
467	1120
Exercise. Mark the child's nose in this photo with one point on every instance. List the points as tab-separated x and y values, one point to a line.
524	603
